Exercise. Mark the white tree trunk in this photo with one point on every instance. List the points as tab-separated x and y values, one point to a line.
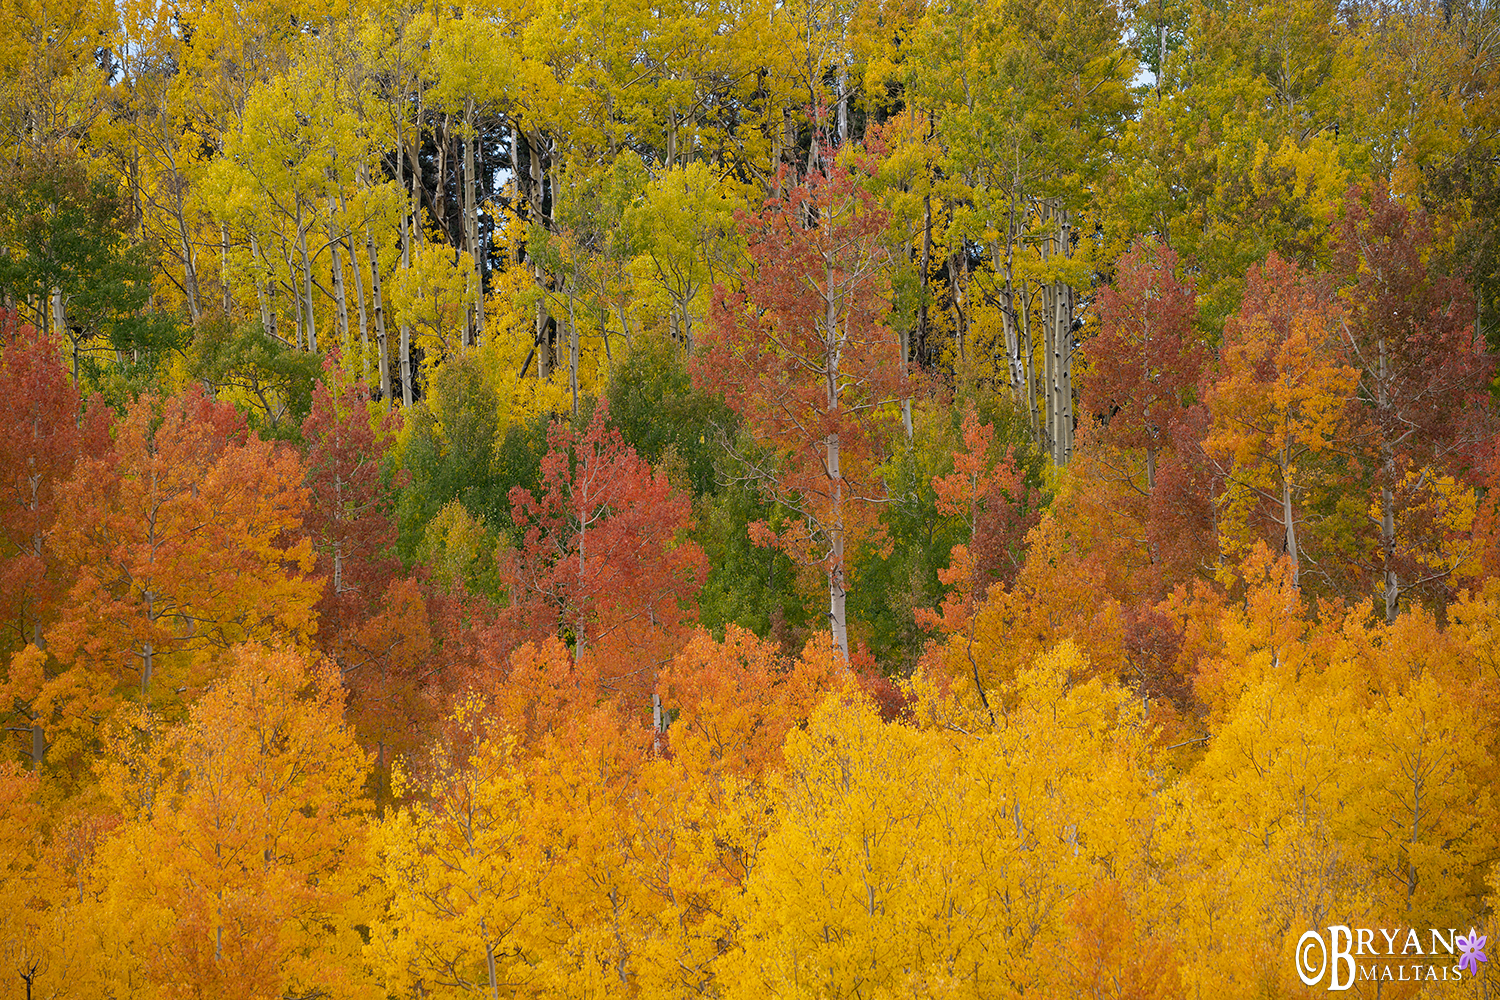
307	282
406	240
359	292
340	298
382	349
1289	519
837	595
471	218
572	349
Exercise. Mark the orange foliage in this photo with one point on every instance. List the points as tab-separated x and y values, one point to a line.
184	540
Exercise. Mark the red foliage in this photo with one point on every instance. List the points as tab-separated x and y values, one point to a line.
1180	515
1410	331
602	558
804	356
998	508
1423	375
350	507
1145	362
39	442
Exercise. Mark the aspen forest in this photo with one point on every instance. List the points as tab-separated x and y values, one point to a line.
737	499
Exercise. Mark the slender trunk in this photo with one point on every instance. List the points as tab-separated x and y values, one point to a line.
585	476
148	659
923	267
843	110
572	350
224	270
1065	367
59	312
406	395
1014	371
656	726
773	131
1387	498
292	294
624	323
1018	367
1161	46
359	293
1388	551
837	595
1049	370
382	350
273	327
471	190
404	368
1289	519
260	288
958	269
543	338
1059	357
1029	364
489	957
1060	336
38	732
440	189
340	298
307	282
189	267
416	190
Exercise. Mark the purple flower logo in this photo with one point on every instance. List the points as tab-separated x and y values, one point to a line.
1471	951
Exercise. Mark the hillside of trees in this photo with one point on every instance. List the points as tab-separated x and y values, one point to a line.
792	498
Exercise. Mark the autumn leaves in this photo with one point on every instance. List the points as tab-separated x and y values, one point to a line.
1161	723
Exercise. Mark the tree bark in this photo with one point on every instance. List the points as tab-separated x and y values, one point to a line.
359	293
538	201
1289	519
442	133
59	313
340	298
837	594
382	349
307	282
189	267
406	239
572	349
224	270
471	217
275	328
1387	498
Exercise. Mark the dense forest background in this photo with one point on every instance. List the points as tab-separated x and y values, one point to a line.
798	499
